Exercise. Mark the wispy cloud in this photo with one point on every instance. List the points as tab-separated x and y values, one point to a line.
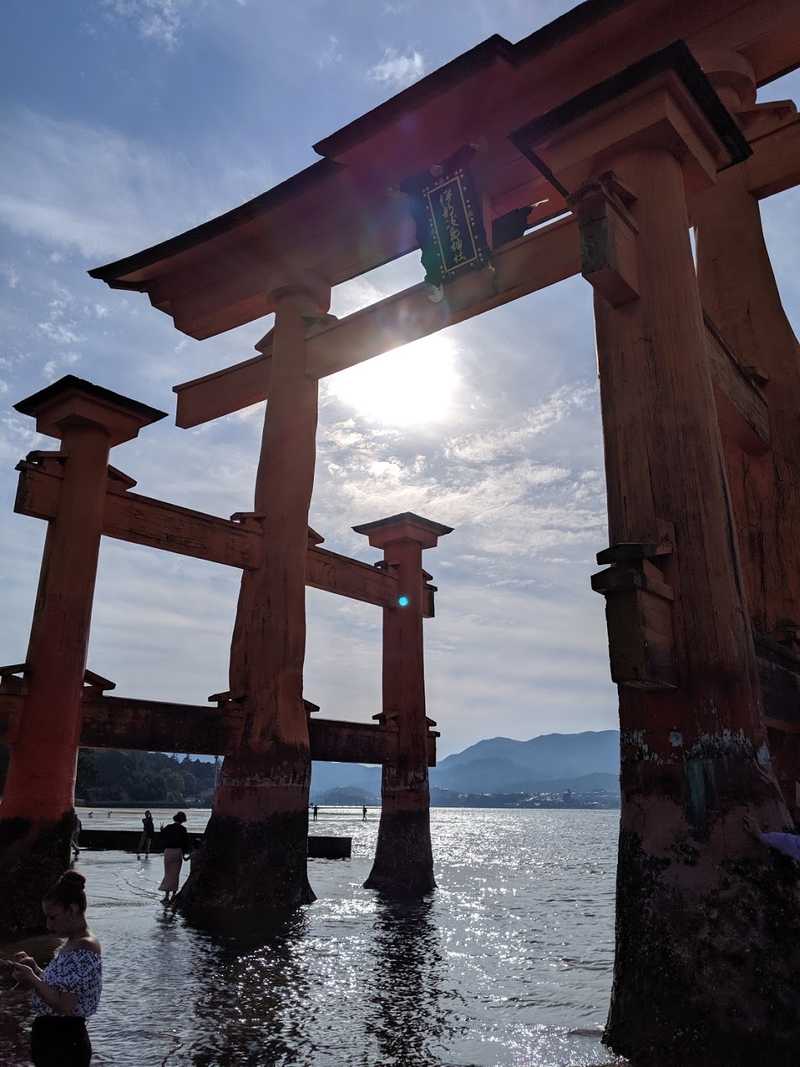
513	440
331	53
155	20
76	186
397	69
10	275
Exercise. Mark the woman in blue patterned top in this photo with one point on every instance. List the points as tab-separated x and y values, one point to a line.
68	990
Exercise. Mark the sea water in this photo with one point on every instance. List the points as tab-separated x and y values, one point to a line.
508	962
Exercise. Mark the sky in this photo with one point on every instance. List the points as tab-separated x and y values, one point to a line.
124	122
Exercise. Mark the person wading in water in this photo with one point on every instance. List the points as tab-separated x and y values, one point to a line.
68	990
177	847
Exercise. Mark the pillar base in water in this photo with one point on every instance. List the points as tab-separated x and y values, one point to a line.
33	856
707	958
403	865
248	873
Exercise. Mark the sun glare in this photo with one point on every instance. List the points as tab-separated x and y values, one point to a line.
412	386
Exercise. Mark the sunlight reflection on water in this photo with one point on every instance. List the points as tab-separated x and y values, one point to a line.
507	963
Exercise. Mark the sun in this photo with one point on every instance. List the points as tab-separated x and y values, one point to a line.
415	385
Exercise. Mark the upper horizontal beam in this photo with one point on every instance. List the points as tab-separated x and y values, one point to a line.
542	258
142	520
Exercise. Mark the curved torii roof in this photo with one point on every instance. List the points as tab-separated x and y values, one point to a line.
343	216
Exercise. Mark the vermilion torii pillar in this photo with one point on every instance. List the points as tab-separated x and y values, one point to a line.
739	292
706	924
36	811
403	862
255	844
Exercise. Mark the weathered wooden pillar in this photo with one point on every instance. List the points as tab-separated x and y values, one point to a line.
403	862
255	845
36	811
707	924
739	293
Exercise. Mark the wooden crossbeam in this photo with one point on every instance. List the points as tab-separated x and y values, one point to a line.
143	520
542	258
157	726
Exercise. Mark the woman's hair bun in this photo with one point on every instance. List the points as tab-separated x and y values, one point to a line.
68	891
73	878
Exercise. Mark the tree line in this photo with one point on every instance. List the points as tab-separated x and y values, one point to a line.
114	776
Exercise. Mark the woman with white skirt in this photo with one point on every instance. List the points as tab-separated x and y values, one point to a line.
177	847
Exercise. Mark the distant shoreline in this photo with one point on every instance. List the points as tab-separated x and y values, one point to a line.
498	801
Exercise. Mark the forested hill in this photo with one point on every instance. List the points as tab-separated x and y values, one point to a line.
109	776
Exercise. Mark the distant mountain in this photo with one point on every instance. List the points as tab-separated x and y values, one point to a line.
346	795
502	765
557	762
326	777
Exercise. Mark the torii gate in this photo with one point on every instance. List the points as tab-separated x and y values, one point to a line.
51	703
601	114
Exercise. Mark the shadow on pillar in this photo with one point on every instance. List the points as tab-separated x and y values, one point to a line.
252	868
33	856
707	923
403	864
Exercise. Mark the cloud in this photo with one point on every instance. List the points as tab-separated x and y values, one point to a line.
52	368
529	492
59	333
507	441
397	70
331	53
88	188
10	275
155	20
60	327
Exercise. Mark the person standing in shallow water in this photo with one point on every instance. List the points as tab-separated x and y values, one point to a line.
148	833
177	847
68	990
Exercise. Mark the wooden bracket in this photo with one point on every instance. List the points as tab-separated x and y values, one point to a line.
226	697
222	700
12	679
119	481
638	614
96	684
609	258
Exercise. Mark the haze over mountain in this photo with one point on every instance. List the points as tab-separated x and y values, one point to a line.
580	762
